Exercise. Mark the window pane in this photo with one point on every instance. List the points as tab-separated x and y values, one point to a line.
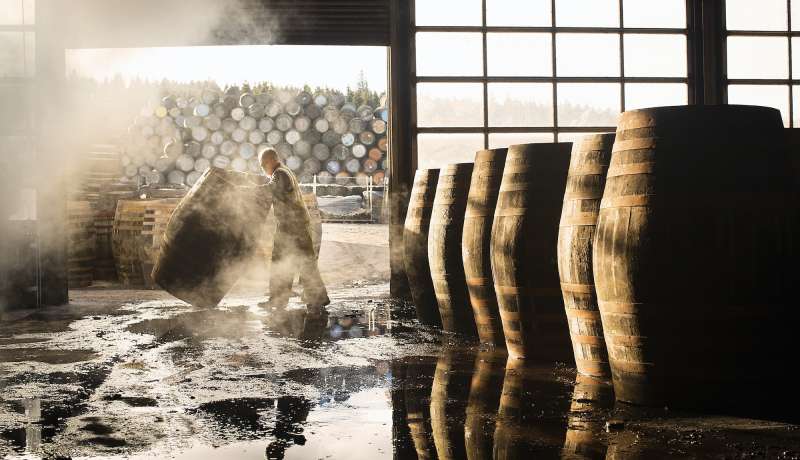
503	140
512	55
449	54
12	54
642	95
29	13
795	15
529	13
776	96
648	55
758	57
796	103
10	12
520	104
438	150
796	54
15	111
30	54
587	13
448	12
588	104
450	105
756	15
655	13
574	137
587	55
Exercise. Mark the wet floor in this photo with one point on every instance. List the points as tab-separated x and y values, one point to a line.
111	378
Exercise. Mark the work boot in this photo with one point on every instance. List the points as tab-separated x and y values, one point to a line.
315	322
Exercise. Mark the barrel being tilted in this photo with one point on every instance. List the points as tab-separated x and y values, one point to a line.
476	244
585	183
211	237
444	249
524	240
694	282
415	246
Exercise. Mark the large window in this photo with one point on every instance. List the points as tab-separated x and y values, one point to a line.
762	46
17	70
490	73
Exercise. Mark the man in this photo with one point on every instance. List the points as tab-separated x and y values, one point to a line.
293	249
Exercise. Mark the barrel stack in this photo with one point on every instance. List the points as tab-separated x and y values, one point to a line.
444	249
176	139
81	243
693	281
476	244
126	241
415	245
585	183
523	251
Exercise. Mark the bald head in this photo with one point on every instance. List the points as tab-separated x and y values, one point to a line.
269	161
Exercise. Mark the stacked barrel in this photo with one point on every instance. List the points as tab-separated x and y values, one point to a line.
665	252
178	138
81	243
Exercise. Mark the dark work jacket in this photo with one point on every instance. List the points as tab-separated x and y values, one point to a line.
290	210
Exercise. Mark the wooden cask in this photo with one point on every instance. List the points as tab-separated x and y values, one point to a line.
415	245
81	244
483	403
104	268
691	275
126	241
585	184
476	244
417	389
523	251
451	386
156	218
588	412
211	237
530	420
444	249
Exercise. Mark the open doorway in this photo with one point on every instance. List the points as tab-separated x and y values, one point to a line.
154	119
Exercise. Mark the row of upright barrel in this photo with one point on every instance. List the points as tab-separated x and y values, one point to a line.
665	252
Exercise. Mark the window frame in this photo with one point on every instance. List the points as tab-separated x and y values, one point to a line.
553	30
788	34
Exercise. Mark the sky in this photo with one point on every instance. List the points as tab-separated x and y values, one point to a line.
331	66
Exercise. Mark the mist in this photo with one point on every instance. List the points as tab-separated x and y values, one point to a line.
53	119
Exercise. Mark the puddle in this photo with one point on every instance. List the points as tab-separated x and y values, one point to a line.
198	326
45	355
238	383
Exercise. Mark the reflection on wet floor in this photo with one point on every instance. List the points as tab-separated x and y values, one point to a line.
211	385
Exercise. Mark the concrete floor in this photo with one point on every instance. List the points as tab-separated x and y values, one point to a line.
137	374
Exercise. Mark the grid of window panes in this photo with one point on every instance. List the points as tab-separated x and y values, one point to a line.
491	73
17	73
762	54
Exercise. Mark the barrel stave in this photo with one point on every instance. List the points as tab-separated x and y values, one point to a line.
524	258
415	244
444	249
476	244
584	190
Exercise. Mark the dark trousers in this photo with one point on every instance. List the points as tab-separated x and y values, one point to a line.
293	253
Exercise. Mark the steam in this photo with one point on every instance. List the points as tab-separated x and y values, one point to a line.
71	114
